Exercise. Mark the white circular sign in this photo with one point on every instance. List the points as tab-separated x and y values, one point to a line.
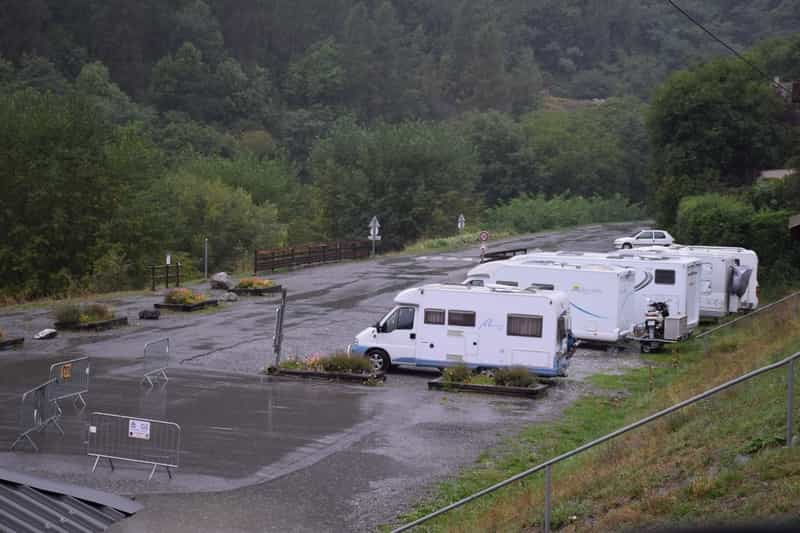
483	236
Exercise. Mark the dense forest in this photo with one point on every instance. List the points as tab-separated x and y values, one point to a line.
128	129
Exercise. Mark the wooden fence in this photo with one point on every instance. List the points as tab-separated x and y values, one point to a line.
165	273
276	258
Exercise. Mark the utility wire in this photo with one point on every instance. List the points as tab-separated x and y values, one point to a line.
735	52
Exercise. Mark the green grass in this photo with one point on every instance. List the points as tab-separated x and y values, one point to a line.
452	243
720	460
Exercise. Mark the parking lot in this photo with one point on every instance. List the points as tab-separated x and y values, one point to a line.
281	455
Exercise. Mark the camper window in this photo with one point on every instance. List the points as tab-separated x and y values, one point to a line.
524	326
665	277
434	316
475	283
508	283
461	318
405	318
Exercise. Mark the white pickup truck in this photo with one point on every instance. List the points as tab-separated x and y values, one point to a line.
645	237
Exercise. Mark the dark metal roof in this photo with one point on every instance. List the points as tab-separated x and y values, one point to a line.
29	504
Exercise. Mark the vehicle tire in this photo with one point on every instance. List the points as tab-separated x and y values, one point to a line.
646	347
627	246
380	360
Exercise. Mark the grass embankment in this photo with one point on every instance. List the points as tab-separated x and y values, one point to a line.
721	460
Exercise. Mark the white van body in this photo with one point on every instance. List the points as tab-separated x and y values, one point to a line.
601	297
481	327
741	257
673	280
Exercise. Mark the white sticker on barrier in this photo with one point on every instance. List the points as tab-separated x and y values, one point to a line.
92	429
139	429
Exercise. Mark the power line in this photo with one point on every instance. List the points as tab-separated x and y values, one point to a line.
729	47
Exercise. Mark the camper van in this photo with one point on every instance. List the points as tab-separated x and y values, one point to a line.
744	281
671	280
601	297
716	277
481	327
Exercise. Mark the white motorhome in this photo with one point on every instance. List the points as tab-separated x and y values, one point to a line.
716	275
671	280
481	327
744	284
601	297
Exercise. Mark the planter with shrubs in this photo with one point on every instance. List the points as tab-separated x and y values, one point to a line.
185	300
511	381
338	367
9	342
93	316
256	287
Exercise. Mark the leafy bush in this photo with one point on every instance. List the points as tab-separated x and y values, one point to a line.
95	312
184	296
514	376
457	374
529	213
75	313
255	283
68	313
340	362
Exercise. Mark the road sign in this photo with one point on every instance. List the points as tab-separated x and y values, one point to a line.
461	222
374	229
483	236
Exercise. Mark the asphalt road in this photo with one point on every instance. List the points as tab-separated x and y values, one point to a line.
266	455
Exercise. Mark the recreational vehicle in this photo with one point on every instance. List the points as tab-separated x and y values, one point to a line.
601	297
671	280
744	281
481	327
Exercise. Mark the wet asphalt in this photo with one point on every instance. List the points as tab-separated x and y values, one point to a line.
261	454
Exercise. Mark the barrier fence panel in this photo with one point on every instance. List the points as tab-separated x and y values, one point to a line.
139	440
36	411
70	380
155	361
277	258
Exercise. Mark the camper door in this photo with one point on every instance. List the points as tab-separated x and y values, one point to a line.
397	335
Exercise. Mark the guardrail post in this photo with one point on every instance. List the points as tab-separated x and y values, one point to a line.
790	405
166	276
547	487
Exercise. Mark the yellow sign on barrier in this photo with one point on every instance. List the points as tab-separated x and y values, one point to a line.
66	371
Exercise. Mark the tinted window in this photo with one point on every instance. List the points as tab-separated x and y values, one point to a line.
665	277
405	318
434	316
659	235
461	318
508	283
524	326
562	328
475	283
391	322
645	235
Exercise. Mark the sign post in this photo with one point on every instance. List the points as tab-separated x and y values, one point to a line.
461	222
374	232
483	236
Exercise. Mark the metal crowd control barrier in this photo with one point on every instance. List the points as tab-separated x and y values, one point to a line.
70	380
139	440
546	466
37	410
156	360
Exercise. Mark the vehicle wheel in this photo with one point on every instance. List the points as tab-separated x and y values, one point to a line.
379	359
646	347
627	246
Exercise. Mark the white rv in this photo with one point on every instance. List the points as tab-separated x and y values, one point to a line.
744	282
481	327
671	280
601	297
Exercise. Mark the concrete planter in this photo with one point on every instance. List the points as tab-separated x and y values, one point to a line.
275	289
10	343
187	308
521	392
328	376
93	326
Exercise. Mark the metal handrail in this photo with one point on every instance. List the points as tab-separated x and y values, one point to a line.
748	315
548	464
